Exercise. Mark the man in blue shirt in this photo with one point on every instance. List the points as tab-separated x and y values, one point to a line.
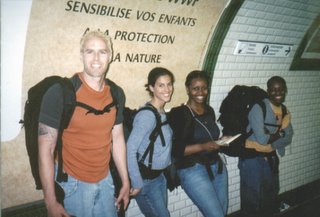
259	176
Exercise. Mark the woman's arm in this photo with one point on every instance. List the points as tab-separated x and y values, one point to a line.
144	122
200	147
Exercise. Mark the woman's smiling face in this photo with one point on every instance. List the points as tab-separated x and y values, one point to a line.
163	89
198	90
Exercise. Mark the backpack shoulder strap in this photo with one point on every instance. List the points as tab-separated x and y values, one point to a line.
113	90
107	107
264	113
69	102
284	110
263	108
157	130
154	134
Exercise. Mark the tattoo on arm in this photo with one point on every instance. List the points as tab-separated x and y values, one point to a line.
42	130
47	136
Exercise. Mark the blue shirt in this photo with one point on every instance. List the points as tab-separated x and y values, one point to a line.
256	123
138	141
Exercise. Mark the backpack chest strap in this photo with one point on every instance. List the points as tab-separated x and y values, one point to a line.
90	109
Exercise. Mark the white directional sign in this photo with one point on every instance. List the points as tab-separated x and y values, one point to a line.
252	48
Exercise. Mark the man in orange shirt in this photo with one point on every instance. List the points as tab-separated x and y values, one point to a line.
88	141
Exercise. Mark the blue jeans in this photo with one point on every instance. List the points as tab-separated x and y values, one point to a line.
259	187
209	195
84	199
153	198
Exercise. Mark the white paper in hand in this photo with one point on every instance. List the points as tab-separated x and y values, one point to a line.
227	141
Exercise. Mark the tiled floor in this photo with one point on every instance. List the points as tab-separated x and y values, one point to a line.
304	202
306	209
310	208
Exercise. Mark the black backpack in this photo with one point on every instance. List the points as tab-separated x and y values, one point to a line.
170	172
31	122
31	117
129	115
233	118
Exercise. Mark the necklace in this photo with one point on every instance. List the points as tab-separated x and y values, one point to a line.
202	124
199	110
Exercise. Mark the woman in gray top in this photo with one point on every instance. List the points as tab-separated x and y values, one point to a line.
146	161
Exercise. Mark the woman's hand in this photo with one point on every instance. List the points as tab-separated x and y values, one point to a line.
201	147
210	146
134	191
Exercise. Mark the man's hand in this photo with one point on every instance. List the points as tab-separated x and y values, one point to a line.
55	209
258	147
123	197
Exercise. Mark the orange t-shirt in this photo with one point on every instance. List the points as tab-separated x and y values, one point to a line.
87	140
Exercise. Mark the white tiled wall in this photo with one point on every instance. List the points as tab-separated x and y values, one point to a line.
285	22
273	21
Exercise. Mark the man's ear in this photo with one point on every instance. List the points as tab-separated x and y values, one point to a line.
81	57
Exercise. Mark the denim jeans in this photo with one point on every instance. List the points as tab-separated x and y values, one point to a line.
259	187
84	199
153	198
209	195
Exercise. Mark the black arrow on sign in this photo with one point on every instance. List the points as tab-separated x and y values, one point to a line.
288	51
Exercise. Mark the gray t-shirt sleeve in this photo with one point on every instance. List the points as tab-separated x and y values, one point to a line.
51	107
120	97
